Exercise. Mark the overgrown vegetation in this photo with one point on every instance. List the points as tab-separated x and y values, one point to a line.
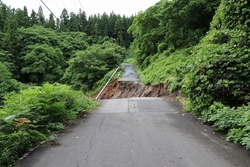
201	47
198	46
168	70
220	73
33	115
74	50
7	83
89	66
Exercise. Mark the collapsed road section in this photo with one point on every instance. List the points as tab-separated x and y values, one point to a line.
129	85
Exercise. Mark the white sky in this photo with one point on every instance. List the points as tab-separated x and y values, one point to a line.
127	7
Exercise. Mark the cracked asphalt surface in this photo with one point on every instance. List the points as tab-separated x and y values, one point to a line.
138	132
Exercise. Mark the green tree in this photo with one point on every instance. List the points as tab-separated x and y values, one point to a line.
42	63
64	24
89	66
82	21
40	16
3	15
170	25
118	31
33	18
25	38
221	70
148	34
51	23
21	17
73	22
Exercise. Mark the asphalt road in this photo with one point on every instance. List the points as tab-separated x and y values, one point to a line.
138	132
129	73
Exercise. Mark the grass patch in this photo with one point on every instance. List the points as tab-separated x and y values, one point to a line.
169	70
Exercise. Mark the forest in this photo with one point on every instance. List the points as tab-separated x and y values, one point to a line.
199	48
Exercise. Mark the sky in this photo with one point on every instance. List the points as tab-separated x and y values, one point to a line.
126	7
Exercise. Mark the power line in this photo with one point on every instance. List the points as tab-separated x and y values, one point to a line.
63	4
81	4
42	7
76	6
57	6
48	9
57	18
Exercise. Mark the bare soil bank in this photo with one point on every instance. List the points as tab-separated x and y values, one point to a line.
120	89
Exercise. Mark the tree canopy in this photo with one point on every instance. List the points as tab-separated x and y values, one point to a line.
35	49
89	66
170	25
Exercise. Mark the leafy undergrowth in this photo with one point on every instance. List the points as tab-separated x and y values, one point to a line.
218	84
236	121
169	70
32	116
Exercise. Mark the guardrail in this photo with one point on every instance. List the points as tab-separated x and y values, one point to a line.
107	82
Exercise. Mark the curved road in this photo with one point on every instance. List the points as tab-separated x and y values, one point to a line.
138	132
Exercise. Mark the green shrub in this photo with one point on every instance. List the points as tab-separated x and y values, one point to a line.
221	70
89	66
30	117
236	121
168	69
7	83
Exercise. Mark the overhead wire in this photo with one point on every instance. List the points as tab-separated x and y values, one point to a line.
57	18
63	4
48	9
57	5
42	7
80	4
75	6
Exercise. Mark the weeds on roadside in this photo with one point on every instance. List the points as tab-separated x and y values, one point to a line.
31	116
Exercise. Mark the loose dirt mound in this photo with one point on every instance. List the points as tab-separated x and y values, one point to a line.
120	89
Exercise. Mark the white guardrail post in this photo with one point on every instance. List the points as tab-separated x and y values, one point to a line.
107	82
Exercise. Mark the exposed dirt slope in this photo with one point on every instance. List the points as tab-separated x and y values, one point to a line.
120	89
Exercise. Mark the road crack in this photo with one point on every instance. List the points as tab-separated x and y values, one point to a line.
91	140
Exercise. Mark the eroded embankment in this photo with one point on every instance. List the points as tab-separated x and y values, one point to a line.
121	89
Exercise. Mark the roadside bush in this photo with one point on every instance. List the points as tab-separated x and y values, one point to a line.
218	84
221	70
236	121
7	83
30	117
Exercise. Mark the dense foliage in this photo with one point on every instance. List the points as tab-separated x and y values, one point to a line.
37	50
221	70
198	46
168	26
7	83
234	120
186	45
31	117
89	66
96	26
220	73
34	50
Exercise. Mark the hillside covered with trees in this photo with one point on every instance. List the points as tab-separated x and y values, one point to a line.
199	48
